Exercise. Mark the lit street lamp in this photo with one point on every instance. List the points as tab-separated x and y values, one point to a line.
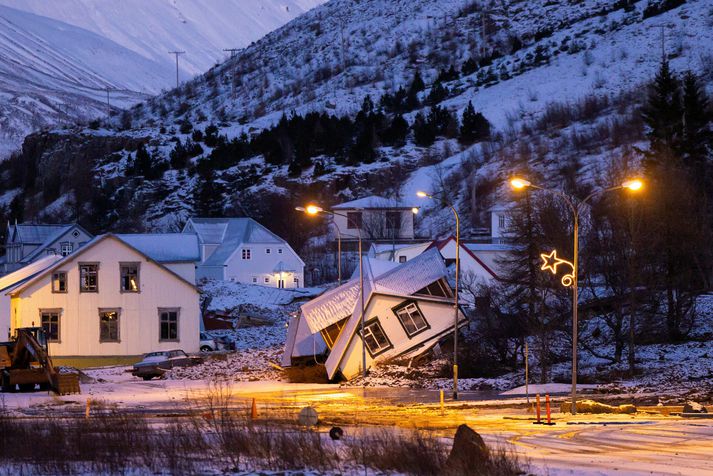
455	319
313	210
316	210
519	184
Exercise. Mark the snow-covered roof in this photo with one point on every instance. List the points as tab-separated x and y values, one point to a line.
374	202
34	234
301	342
165	247
26	272
229	234
51	238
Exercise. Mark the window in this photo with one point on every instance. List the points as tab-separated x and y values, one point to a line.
331	333
375	338
393	220
402	259
50	324
66	248
501	221
109	325
267	280
268	251
168	324
354	220
246	253
88	278
437	288
129	277
254	279
75	233
279	251
59	282
297	282
411	318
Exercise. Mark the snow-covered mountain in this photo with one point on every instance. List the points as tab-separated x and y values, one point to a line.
560	81
58	58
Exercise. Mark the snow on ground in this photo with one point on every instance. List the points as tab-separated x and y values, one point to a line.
228	296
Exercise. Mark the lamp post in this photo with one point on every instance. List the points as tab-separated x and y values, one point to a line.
316	210
339	244
576	208
455	318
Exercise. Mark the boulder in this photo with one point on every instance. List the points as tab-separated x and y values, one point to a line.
694	407
469	452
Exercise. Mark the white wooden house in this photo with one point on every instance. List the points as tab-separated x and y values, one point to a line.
244	251
397	252
377	218
408	309
110	300
28	242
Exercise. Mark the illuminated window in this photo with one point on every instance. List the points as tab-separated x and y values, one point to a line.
129	277
109	325
59	282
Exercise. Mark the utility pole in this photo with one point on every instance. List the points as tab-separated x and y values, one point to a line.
177	53
108	106
663	27
233	52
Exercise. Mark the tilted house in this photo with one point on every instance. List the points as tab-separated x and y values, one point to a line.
111	300
244	251
28	242
408	308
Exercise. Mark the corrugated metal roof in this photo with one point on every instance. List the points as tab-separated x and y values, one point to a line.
165	247
32	234
374	201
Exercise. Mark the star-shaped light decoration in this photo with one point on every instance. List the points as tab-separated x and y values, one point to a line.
550	261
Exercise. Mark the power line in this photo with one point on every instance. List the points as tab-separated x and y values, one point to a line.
177	53
232	51
663	27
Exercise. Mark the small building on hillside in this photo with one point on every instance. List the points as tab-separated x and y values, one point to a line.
244	251
499	223
378	219
28	242
110	300
397	252
408	309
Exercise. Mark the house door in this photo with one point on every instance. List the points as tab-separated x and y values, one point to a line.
280	283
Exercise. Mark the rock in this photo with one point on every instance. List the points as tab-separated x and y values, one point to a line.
469	452
694	407
590	406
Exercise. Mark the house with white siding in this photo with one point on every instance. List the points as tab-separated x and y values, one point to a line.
244	251
376	218
408	309
112	300
28	242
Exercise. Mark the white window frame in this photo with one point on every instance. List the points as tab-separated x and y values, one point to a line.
409	315
370	334
279	251
267	280
268	251
66	248
246	254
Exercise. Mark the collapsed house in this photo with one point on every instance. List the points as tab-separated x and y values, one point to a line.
408	308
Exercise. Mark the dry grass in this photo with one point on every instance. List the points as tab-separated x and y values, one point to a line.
218	438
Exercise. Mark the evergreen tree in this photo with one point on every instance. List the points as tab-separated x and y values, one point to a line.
474	126
208	195
423	133
469	67
662	113
437	94
396	133
696	141
417	85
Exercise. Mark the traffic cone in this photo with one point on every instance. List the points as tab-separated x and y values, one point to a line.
253	410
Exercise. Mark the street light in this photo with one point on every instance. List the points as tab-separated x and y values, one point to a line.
315	210
455	319
519	183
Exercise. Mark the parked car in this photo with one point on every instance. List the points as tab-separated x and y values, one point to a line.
208	343
155	364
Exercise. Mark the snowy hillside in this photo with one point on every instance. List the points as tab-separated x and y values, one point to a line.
535	69
57	58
